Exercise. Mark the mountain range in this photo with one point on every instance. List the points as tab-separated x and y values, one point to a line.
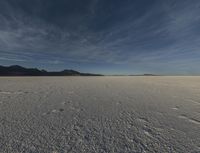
16	70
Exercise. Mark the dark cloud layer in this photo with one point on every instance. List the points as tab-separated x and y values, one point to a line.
106	36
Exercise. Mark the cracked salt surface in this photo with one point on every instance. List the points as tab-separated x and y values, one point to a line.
99	114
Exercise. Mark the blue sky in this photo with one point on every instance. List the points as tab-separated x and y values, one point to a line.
102	36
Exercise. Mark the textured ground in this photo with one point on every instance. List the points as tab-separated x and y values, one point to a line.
99	114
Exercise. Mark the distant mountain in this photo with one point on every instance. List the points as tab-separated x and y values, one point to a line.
16	70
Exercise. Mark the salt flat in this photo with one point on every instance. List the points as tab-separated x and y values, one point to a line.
99	114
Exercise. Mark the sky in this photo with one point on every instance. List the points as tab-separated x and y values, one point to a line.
102	36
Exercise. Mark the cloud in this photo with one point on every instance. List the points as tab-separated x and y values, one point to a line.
12	59
158	33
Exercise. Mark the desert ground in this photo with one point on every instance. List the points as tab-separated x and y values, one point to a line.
100	114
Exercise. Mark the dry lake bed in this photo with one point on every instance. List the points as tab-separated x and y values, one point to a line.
100	114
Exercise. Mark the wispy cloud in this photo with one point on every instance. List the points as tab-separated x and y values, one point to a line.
12	59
